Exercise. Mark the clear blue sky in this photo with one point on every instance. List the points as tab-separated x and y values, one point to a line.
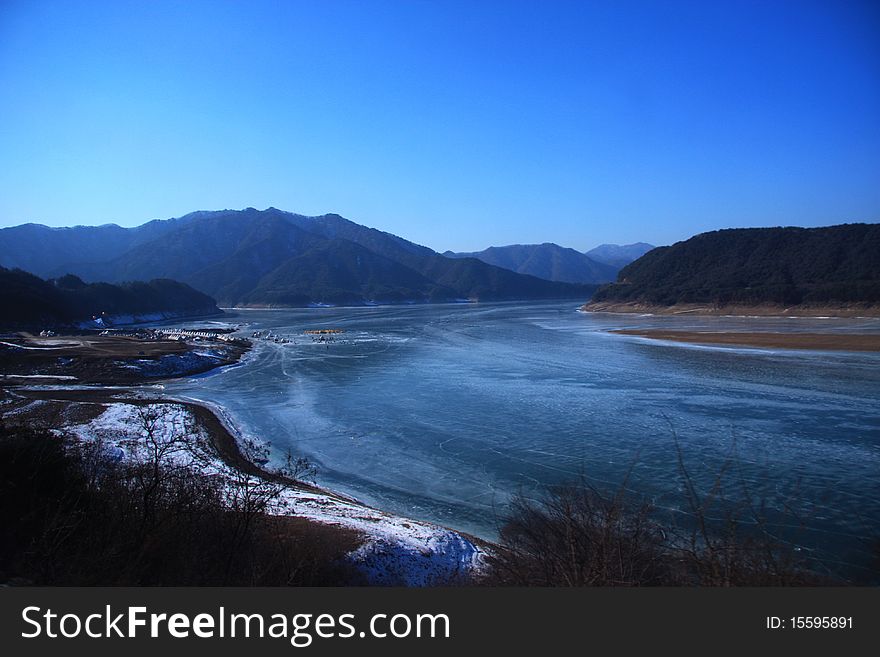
453	124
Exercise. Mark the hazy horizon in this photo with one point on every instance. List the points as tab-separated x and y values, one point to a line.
454	125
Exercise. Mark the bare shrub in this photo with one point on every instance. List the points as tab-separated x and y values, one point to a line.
578	537
730	543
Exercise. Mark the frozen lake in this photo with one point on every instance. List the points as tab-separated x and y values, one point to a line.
443	412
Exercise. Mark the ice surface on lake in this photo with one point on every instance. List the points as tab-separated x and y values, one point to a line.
444	412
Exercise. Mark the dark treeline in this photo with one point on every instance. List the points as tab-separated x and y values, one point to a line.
751	266
29	301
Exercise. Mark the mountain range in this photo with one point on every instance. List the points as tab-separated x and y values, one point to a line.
831	266
270	257
556	263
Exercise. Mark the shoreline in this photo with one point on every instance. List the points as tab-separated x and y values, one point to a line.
227	446
114	321
393	550
631	307
861	342
91	385
399	304
223	438
225	441
139	357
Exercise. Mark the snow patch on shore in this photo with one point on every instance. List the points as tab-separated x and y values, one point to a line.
142	318
39	376
26	409
397	551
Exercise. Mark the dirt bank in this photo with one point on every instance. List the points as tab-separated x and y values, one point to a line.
855	310
818	341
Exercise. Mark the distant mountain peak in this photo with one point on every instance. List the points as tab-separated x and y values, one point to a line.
619	255
547	260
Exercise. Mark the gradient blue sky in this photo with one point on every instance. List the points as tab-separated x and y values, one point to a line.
454	124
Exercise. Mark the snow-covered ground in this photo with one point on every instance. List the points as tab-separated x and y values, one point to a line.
14	346
25	409
142	318
63	377
395	551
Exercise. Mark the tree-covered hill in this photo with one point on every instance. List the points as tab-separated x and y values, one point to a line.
831	266
27	301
